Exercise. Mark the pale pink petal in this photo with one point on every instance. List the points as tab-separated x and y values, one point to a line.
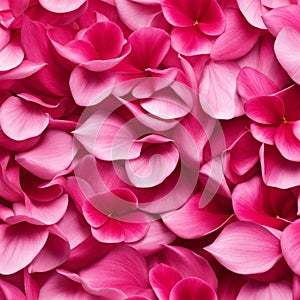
196	221
21	243
89	88
287	47
252	11
265	109
192	289
21	120
278	171
252	83
122	268
162	279
220	100
253	290
290	242
11	56
51	156
278	18
58	6
238	38
9	291
246	248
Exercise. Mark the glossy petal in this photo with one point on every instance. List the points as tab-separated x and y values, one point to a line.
10	291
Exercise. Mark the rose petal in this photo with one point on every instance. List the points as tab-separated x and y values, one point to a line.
65	6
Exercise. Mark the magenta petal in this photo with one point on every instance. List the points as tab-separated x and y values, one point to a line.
238	32
280	290
136	229
265	109
89	88
287	142
192	289
162	279
21	243
21	120
61	6
93	216
290	243
50	157
246	248
10	291
110	232
287	47
264	134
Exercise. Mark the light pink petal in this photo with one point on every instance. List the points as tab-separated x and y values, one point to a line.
58	6
89	88
55	252
276	3
253	290
149	47
190	41
136	229
265	109
287	47
162	279
238	38
264	134
218	100
252	83
110	232
21	243
192	289
11	56
196	221
290	242
122	268
252	11
153	166
278	171
246	248
10	291
50	157
278	18
21	120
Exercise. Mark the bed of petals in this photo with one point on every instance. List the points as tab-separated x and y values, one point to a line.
149	149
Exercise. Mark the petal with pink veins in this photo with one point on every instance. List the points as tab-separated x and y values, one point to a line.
58	6
21	243
50	157
287	47
246	248
9	291
21	120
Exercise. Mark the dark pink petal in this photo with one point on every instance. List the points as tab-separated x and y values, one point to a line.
252	11
5	35
218	100
50	157
280	290
9	291
196	221
287	46
93	216
89	88
287	142
278	18
246	248
252	83
191	41
21	243
278	171
192	289
237	40
21	120
123	268
137	228
264	134
290	242
110	232
265	109
65	6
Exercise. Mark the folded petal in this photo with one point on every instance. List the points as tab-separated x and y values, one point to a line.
287	47
61	6
246	248
110	232
50	157
9	291
21	243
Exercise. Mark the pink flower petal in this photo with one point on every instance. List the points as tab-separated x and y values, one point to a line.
50	157
21	120
264	134
287	45
11	56
238	32
89	88
192	289
9	291
65	6
93	216
217	100
110	232
21	243
246	248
